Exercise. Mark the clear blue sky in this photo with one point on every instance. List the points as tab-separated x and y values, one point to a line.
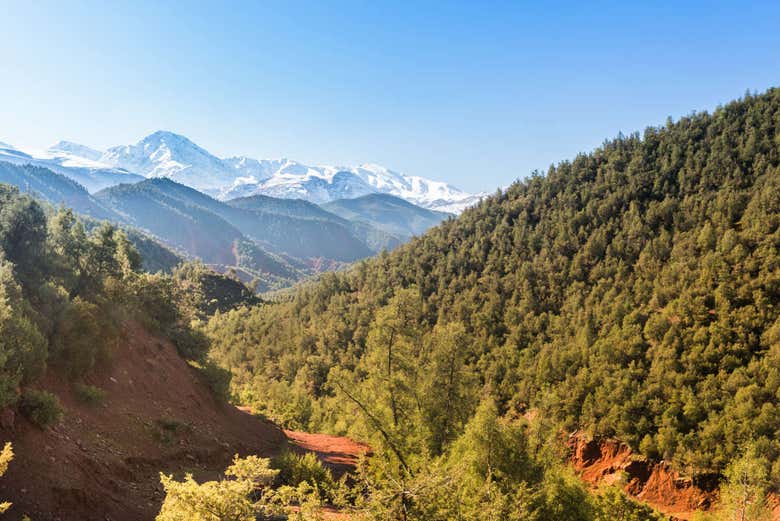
475	93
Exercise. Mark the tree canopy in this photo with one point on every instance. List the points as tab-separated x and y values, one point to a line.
630	292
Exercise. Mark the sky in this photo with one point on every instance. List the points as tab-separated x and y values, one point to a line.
474	93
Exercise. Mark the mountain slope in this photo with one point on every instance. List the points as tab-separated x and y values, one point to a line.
280	233
633	292
59	190
54	188
372	236
157	205
386	212
76	150
290	207
104	462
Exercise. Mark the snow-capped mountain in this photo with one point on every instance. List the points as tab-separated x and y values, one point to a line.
166	154
322	184
253	170
71	160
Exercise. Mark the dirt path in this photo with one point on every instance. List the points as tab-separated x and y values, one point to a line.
338	453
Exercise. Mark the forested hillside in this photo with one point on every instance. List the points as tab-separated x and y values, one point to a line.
631	292
60	191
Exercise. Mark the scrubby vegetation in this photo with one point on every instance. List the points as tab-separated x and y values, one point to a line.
631	292
210	292
239	497
498	470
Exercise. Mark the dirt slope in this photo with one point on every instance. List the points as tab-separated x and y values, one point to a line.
102	463
612	462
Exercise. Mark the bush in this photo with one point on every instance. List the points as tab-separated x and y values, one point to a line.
40	407
614	505
84	335
295	469
6	455
89	394
243	495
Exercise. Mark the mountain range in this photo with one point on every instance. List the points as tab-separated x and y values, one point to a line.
166	154
274	241
69	159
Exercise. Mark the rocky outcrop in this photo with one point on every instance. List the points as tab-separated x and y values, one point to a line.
607	461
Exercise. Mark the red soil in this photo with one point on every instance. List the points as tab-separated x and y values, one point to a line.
338	453
103	463
609	461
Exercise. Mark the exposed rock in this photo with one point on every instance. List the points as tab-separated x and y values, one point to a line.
609	461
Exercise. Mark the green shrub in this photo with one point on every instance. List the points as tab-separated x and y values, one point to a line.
614	505
40	407
84	336
89	394
295	469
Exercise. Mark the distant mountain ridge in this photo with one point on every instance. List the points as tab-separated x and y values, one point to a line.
58	190
388	213
55	189
166	154
375	237
73	161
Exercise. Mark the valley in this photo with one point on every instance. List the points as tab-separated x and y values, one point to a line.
600	342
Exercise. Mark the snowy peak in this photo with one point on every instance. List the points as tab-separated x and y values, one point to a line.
166	154
323	184
74	149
